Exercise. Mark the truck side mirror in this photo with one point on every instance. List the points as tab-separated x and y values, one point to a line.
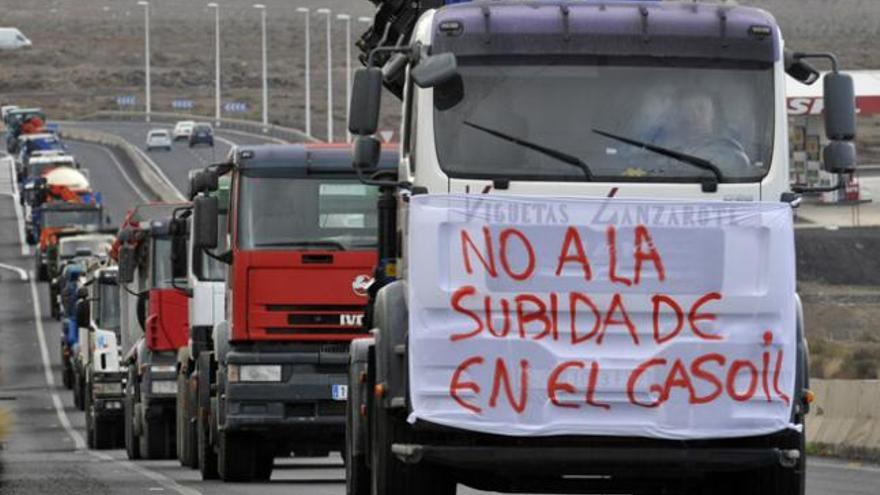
195	180
365	155
126	264
366	97
205	220
840	106
83	316
178	248
434	70
839	157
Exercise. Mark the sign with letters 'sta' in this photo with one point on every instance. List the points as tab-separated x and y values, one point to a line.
558	316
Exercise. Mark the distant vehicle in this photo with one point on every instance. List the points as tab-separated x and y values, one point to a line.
183	129
201	134
6	109
12	39
159	139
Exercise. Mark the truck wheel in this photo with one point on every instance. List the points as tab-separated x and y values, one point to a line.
90	423
184	431
265	462
66	374
390	476
157	441
235	457
357	473
132	443
78	392
207	458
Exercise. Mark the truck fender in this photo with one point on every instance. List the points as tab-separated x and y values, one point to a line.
391	320
359	388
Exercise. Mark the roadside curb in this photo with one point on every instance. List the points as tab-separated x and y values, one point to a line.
148	171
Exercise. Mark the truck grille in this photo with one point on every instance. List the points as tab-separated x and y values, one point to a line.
305	319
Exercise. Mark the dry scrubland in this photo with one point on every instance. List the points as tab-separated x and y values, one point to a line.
89	51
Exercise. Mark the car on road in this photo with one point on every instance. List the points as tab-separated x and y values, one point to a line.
158	139
183	129
201	134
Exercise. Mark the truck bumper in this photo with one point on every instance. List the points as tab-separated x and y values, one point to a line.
300	406
562	456
107	402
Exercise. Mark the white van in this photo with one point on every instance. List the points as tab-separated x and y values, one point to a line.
11	39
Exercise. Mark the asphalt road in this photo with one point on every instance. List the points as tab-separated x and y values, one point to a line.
44	452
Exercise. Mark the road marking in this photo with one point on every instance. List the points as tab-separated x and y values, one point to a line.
121	169
22	274
159	478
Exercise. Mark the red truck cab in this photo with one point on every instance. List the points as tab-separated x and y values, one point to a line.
301	243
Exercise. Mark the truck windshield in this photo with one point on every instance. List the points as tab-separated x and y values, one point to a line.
108	306
163	262
96	246
72	218
279	213
515	117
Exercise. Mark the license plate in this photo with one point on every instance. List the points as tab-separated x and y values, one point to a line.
340	392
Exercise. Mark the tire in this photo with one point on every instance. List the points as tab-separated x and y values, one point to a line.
90	423
265	462
79	387
66	374
236	456
157	441
390	476
186	452
357	473
207	458
132	442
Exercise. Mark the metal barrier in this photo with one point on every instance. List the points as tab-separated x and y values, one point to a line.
287	134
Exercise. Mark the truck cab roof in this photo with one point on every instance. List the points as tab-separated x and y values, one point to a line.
292	160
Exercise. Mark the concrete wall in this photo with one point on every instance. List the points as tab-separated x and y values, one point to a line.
845	416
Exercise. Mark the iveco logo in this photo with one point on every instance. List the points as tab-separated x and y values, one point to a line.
361	284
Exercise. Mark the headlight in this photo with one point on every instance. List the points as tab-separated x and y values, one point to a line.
163	387
108	388
254	373
163	368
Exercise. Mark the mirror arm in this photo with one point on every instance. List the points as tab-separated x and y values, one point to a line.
185	290
827	56
225	259
816	190
370	181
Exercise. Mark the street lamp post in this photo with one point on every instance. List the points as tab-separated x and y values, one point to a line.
262	9
347	19
148	98
329	77
308	102
216	7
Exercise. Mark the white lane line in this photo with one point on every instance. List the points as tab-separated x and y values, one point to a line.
22	274
121	169
19	214
78	440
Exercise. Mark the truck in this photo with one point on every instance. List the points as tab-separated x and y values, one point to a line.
597	129
207	308
22	121
154	321
50	219
71	246
301	244
97	316
69	282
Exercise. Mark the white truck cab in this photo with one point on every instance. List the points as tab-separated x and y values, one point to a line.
573	106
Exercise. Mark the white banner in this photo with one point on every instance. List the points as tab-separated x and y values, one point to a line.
563	316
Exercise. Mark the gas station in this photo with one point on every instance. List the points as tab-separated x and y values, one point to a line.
807	139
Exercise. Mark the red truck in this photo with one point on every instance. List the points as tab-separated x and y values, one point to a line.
154	322
300	246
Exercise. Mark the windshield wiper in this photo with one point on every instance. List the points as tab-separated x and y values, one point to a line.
559	155
675	155
324	244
